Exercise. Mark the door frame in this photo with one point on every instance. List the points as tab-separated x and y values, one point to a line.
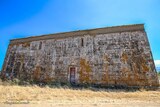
69	74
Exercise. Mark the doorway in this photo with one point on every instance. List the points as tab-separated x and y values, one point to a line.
72	75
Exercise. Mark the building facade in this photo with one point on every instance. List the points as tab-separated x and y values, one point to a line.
117	55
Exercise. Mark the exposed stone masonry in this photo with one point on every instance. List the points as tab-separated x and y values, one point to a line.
106	56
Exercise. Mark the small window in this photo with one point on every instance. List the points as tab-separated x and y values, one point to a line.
40	45
82	42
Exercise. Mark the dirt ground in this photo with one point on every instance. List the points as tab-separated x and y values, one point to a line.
135	104
34	96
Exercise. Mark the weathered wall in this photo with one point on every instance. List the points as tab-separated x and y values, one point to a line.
120	58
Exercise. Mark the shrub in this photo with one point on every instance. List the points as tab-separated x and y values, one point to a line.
1	82
16	81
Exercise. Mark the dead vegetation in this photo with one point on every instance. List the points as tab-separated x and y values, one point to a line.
73	96
12	93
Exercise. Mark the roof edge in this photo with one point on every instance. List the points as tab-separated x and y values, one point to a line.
112	29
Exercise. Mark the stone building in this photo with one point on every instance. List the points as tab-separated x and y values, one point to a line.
117	55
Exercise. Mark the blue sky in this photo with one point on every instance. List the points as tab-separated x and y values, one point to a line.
23	18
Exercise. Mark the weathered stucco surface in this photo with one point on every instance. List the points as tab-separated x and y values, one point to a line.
122	57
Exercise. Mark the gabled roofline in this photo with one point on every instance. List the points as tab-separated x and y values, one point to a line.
105	30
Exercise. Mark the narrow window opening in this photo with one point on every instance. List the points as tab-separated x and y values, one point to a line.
40	45
82	42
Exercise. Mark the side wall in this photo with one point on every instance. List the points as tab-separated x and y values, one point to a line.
110	59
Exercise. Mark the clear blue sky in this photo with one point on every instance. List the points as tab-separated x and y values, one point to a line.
22	18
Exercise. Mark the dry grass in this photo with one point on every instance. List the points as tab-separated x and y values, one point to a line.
34	96
71	96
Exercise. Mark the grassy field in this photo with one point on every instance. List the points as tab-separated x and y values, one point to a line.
34	96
